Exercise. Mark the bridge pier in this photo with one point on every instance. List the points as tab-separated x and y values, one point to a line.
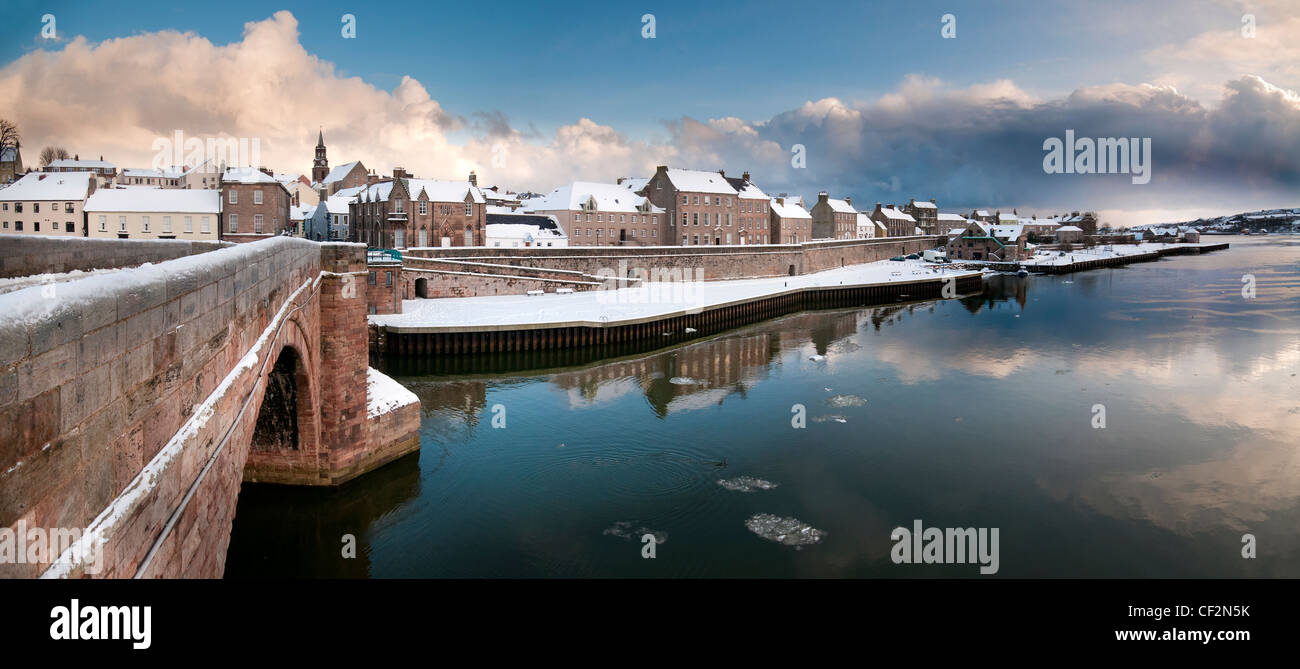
136	406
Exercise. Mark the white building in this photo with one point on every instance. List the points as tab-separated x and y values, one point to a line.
153	213
45	203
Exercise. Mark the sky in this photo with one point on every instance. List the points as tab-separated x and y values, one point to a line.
532	95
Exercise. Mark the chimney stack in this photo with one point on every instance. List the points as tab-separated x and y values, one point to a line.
399	173
848	201
473	178
745	176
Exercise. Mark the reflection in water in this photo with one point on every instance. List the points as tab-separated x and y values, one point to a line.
965	413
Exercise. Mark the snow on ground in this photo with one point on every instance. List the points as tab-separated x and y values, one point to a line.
19	282
383	394
649	301
1053	258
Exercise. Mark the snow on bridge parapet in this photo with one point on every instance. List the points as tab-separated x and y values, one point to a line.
384	395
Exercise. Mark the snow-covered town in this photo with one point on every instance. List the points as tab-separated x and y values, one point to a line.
988	309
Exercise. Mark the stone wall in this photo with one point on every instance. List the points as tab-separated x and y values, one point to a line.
715	262
121	395
27	255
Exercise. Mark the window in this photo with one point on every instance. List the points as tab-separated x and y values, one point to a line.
67	208
257	197
18	207
717	201
469	209
103	224
234	224
388	278
36	209
203	225
145	221
189	224
600	218
18	226
167	224
257	224
695	218
697	199
371	279
36	226
686	199
234	196
69	227
424	207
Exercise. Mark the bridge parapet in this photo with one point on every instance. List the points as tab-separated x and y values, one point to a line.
133	405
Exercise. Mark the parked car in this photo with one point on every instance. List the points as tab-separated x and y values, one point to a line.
913	256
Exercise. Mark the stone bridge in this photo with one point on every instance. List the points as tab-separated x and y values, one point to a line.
134	403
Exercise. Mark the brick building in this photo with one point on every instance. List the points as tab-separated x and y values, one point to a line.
926	215
597	214
254	205
790	222
11	164
896	222
405	212
700	207
753	211
834	219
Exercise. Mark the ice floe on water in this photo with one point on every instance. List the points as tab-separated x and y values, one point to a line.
746	484
788	531
841	401
623	530
830	418
817	357
686	381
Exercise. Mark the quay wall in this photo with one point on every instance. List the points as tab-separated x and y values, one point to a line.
661	330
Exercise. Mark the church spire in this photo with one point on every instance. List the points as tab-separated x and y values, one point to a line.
320	139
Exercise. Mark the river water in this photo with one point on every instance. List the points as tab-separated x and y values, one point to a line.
981	412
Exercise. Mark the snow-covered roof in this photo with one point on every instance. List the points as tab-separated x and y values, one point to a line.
864	219
162	200
951	217
151	173
49	186
699	181
981	212
1069	228
1006	232
953	232
339	172
893	213
247	175
634	184
301	212
286	177
791	209
843	207
434	189
82	164
338	203
924	205
444	191
1011	219
605	197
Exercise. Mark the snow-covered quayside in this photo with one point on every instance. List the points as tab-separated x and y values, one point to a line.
664	312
